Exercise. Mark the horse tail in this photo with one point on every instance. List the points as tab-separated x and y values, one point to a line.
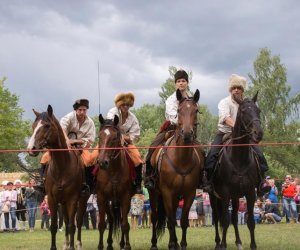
116	212
161	218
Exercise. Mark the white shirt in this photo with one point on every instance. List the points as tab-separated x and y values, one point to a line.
172	108
10	196
227	108
130	127
87	131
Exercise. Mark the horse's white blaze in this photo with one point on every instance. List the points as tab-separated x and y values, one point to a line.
32	138
106	131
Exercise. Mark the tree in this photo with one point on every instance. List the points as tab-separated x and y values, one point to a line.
279	111
13	130
271	81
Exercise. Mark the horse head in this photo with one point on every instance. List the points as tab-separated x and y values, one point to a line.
109	137
248	118
187	116
44	131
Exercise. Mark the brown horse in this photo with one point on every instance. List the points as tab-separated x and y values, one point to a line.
114	184
64	176
179	168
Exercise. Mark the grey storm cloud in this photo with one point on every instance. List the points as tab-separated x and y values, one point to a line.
50	50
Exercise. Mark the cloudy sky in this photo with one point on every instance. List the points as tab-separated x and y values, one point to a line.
49	50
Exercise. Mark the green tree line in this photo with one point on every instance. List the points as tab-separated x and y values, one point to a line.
280	117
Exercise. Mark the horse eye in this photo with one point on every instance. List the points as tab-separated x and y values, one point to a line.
47	126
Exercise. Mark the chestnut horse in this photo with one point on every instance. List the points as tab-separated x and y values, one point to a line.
114	184
179	167
237	174
64	176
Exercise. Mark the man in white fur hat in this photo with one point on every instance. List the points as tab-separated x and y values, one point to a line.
228	108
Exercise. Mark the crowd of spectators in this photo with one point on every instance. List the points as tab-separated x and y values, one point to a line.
17	201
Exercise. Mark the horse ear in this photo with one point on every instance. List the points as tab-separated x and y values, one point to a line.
36	113
116	120
254	99
101	119
50	110
197	95
178	95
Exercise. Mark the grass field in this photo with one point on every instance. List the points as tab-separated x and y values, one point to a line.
281	236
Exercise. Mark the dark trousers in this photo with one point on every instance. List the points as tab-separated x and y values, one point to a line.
93	216
45	220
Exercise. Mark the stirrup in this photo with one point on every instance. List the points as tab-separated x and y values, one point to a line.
85	191
149	183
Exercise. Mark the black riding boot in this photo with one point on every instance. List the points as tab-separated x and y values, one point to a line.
149	182
87	185
40	185
138	179
207	180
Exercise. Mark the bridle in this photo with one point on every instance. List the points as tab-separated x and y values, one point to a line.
180	132
116	151
246	127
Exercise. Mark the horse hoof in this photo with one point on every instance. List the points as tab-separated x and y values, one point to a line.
154	248
78	245
239	246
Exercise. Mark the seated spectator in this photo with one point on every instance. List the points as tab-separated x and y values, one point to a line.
272	195
258	212
272	213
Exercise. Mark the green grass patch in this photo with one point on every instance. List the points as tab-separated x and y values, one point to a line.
271	237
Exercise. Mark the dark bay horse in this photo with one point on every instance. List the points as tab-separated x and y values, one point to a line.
114	184
237	174
64	176
179	167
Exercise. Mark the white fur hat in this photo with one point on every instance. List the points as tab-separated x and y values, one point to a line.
17	181
237	81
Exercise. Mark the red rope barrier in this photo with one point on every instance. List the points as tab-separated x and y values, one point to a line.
147	147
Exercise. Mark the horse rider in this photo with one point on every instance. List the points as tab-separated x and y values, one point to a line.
130	130
82	132
228	109
169	125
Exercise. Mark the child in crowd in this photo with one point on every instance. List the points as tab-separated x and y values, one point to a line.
45	212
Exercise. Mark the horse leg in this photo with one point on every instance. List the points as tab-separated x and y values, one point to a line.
234	219
250	221
153	203
102	223
170	206
72	206
224	222
110	228
53	226
125	207
66	221
184	218
79	219
214	206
